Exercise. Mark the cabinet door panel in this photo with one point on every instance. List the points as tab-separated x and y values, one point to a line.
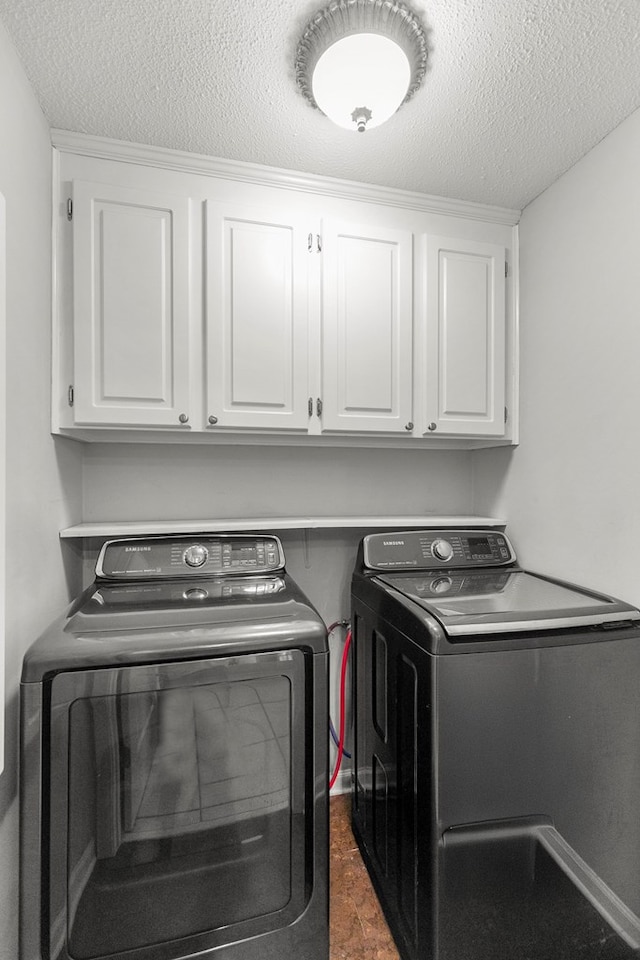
131	306
366	328
257	319
466	336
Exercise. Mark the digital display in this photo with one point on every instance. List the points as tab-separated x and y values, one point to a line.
479	547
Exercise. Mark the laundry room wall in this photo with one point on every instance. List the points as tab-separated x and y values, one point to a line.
171	482
43	476
571	490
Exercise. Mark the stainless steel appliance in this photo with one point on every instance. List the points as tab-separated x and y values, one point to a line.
174	761
496	768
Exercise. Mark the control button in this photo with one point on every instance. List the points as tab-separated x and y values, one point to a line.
195	593
195	555
442	550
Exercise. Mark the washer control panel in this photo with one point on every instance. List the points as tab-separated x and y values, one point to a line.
436	549
216	555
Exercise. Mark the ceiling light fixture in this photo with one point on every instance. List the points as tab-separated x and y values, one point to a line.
359	60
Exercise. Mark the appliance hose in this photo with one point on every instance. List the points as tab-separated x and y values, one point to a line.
343	684
334	737
332	729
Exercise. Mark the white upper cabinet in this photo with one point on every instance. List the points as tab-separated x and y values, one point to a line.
257	319
130	307
367	328
465	338
210	301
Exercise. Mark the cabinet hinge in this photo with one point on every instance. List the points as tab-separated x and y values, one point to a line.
319	407
69	209
70	395
310	406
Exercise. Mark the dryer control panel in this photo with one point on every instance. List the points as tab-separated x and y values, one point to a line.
434	549
152	558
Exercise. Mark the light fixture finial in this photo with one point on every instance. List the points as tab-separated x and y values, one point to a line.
361	117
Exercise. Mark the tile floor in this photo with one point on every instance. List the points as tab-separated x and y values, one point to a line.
358	930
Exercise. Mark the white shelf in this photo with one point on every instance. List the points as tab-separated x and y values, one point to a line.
145	528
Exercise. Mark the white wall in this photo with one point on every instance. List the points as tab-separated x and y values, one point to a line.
571	491
158	481
43	477
173	482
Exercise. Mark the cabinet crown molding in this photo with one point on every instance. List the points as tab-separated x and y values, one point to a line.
165	158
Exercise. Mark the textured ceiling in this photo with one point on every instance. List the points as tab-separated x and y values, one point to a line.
516	90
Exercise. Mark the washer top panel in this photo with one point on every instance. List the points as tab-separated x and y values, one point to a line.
465	587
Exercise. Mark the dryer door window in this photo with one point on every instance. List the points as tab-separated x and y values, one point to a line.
177	805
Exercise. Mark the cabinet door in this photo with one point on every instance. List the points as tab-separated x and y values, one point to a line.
131	306
366	328
257	318
465	337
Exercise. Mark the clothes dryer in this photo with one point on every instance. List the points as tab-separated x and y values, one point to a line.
174	761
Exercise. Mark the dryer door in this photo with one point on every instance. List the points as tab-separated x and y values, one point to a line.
177	811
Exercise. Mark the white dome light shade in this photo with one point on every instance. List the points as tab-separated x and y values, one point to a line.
358	60
362	71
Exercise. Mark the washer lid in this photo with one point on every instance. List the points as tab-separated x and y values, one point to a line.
476	602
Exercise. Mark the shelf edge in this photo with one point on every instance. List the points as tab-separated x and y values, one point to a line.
142	528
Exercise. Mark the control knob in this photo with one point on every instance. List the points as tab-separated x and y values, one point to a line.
441	585
195	555
195	593
442	550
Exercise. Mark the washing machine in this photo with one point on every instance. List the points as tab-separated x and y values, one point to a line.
496	765
174	761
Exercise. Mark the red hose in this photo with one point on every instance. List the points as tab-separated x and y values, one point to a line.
343	683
